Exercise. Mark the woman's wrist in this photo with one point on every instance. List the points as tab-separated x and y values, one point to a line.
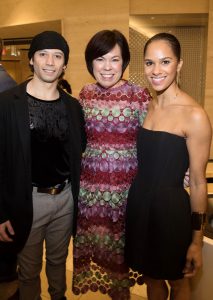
198	220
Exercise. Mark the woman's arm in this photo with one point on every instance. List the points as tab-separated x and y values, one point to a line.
199	135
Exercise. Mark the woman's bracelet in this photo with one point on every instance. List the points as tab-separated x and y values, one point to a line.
198	220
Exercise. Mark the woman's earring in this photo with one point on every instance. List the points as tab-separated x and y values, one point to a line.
178	79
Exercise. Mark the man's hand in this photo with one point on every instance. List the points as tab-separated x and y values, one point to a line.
6	229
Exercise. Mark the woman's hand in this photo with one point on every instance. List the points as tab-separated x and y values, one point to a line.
193	259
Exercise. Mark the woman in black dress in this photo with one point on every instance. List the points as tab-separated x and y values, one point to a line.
164	225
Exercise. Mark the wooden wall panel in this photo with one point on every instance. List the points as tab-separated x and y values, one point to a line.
168	6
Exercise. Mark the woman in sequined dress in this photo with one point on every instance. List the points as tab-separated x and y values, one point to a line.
114	110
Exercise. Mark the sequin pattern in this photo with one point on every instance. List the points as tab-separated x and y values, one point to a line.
113	117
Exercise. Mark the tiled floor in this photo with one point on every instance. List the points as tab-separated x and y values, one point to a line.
7	289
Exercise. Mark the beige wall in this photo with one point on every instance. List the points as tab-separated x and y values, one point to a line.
80	20
168	6
186	6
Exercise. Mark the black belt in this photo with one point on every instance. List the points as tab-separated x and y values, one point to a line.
53	190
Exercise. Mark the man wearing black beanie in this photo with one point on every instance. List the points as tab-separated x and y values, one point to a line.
42	138
49	40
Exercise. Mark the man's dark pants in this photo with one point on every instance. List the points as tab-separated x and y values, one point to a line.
8	267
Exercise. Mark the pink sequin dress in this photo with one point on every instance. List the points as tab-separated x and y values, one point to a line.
113	117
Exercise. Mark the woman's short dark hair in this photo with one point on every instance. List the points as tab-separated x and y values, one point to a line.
102	43
170	39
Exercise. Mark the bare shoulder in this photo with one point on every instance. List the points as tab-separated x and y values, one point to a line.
191	107
197	112
195	116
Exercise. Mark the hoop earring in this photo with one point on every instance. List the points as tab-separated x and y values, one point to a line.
178	79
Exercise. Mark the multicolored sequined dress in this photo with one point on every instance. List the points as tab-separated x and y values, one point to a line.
113	117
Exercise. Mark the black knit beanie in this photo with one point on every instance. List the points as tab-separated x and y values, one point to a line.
49	40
